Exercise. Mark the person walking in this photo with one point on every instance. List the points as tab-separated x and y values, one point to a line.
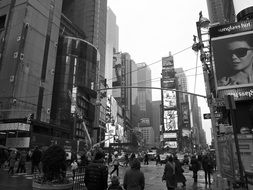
115	165
207	165
96	173
134	178
115	184
22	161
126	160
35	158
180	178
194	167
158	159
146	159
12	161
74	167
169	174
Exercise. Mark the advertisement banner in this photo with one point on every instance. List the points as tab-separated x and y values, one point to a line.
170	144
169	99
169	135
168	73
169	83
170	120
226	157
168	61
185	112
232	49
117	74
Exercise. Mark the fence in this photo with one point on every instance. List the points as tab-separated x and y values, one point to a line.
78	180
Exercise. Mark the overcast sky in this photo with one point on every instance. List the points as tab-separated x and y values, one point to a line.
150	29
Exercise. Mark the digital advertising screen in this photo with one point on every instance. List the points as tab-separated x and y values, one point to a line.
169	99
170	120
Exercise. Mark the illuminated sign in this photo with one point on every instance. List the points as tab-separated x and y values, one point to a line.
14	126
169	99
170	144
169	135
170	120
168	61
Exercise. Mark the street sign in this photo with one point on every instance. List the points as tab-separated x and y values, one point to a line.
208	115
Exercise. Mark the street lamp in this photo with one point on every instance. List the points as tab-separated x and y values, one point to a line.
204	23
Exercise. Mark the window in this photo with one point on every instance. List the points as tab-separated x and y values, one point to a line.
2	21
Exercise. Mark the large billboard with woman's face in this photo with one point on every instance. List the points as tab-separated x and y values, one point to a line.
232	50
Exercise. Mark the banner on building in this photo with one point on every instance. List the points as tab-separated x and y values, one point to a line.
168	61
169	135
168	73
169	99
185	112
169	83
170	144
232	48
170	120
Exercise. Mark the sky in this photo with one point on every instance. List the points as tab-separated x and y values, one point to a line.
150	29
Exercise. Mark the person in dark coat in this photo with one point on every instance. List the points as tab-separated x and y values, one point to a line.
169	174
180	178
96	173
146	159
22	160
115	184
207	165
134	178
195	167
158	159
35	158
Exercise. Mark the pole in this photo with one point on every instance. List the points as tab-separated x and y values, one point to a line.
208	93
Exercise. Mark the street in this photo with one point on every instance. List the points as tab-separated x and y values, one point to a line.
152	173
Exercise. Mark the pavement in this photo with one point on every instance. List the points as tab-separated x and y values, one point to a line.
152	173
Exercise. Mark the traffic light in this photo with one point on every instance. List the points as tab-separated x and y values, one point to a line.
30	117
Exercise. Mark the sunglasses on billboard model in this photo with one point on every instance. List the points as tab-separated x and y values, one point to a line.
240	52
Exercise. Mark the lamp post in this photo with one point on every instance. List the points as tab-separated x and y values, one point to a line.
204	23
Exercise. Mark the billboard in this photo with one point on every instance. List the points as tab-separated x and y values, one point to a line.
168	73
168	83
170	144
169	135
185	112
232	49
144	122
170	120
169	99
168	61
117	73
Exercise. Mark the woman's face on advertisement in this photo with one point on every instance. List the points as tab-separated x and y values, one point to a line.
241	55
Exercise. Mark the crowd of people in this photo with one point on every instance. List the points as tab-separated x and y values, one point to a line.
99	167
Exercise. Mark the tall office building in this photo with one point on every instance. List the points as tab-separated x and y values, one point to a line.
43	73
90	16
144	98
221	11
156	121
112	43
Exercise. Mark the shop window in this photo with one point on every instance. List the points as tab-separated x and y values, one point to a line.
2	22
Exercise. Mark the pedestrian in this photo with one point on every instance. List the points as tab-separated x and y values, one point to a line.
109	159
22	160
12	161
134	178
158	159
35	158
126	160
169	174
74	167
146	159
115	165
96	173
115	184
207	165
194	165
180	178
